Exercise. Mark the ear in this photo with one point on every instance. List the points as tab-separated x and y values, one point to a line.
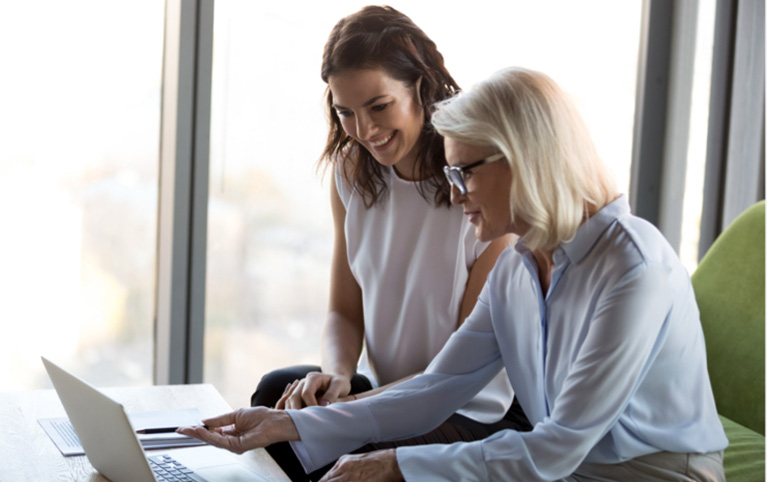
418	90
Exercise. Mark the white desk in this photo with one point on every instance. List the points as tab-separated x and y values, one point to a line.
27	454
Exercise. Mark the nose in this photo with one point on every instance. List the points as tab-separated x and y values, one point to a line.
365	126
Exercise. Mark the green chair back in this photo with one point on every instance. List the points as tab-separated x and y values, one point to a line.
729	288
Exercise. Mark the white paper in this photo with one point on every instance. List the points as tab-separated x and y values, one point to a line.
63	435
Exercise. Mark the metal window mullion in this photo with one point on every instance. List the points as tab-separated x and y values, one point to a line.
661	133
182	211
718	123
745	155
203	96
650	111
735	154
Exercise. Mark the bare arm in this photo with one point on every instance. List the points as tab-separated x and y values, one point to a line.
478	274
380	389
343	332
345	326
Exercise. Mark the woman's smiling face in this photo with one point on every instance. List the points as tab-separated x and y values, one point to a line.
382	114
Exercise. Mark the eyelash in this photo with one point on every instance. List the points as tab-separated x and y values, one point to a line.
381	107
375	108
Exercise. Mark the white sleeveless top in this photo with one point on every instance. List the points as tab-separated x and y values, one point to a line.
412	262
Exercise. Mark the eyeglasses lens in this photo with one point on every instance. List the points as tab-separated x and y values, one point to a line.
455	178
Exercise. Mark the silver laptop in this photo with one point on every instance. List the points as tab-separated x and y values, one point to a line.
113	448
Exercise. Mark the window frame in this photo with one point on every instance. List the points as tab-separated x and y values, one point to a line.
658	162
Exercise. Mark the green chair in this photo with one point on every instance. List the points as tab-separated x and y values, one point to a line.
729	288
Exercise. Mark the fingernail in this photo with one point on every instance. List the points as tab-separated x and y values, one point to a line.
324	403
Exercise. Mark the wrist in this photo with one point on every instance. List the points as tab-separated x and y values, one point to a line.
394	470
340	373
282	428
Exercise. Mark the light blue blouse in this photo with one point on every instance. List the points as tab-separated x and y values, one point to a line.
608	365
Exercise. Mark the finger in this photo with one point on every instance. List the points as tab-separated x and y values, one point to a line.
220	420
280	405
309	391
224	440
208	436
330	476
339	470
291	386
335	391
294	401
337	473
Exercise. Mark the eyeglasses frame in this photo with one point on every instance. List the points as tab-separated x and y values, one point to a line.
461	170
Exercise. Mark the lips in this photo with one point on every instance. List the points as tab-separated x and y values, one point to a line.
473	216
382	143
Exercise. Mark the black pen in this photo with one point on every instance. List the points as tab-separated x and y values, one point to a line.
157	430
162	429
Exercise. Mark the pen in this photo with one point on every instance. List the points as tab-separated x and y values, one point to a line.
162	430
157	430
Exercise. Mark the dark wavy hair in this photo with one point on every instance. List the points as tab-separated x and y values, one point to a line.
380	37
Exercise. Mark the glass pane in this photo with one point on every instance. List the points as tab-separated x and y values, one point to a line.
696	153
269	232
79	122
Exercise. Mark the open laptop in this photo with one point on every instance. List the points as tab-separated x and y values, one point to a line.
113	448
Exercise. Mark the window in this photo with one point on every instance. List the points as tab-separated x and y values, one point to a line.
696	154
80	97
269	223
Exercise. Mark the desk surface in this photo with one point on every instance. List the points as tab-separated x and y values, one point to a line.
27	453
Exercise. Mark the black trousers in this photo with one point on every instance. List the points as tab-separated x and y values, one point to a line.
457	428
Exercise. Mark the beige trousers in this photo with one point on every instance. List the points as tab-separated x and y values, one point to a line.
665	466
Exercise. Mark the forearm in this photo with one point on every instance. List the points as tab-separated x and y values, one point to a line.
479	273
467	363
281	427
411	408
380	389
341	345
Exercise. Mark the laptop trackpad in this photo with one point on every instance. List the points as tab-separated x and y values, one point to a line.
229	473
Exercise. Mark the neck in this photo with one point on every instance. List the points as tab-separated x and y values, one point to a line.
407	167
409	175
545	261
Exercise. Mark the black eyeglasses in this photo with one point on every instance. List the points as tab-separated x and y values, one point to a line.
455	174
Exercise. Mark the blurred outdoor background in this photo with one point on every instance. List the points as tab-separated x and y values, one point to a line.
79	145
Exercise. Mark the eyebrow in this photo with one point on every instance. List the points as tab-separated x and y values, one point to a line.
369	102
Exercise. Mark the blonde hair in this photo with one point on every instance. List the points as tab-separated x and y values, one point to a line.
557	176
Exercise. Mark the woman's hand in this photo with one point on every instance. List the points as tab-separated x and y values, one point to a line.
245	429
316	389
379	466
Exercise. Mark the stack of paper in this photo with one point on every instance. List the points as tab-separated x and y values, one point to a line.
63	435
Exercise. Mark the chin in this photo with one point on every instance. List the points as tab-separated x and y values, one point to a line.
482	235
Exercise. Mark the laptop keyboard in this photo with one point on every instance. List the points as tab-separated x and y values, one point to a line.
168	469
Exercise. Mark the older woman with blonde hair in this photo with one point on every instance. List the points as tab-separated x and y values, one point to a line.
591	313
